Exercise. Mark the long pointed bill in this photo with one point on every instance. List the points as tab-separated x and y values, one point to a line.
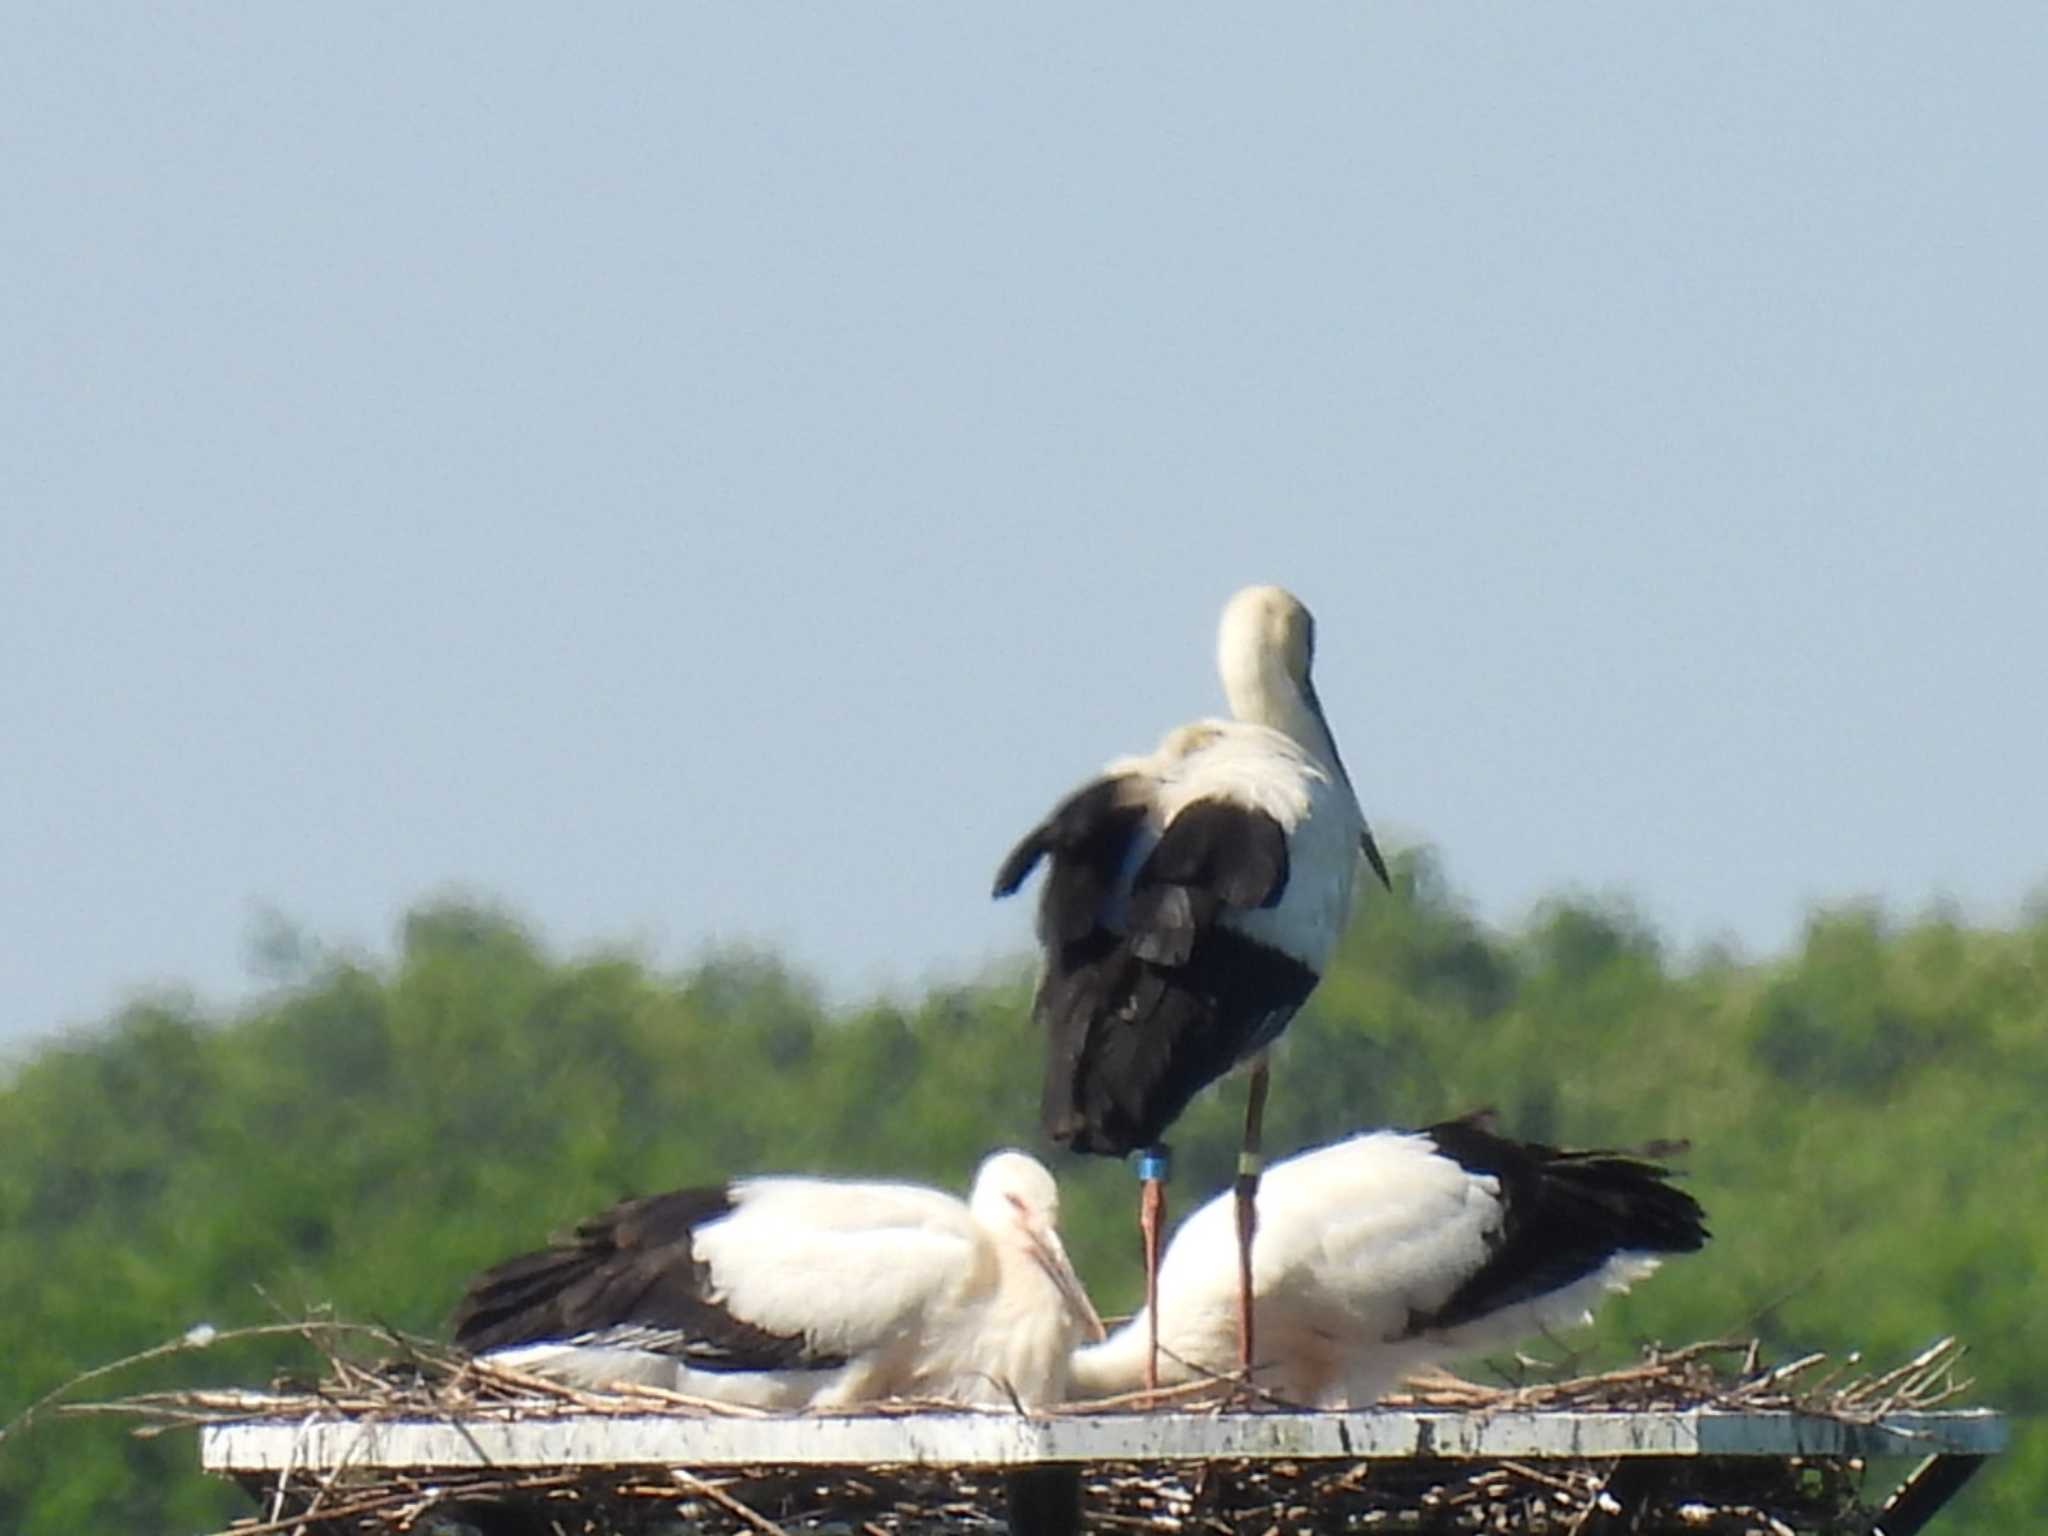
1051	1255
1366	845
1371	851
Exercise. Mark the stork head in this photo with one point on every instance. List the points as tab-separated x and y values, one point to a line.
1264	649
1017	1201
1270	627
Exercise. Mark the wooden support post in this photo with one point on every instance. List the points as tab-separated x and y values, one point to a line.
1631	1485
1921	1496
1044	1501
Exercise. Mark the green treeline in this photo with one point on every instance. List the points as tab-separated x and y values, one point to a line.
1866	1115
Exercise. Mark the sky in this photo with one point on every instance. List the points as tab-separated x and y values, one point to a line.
713	475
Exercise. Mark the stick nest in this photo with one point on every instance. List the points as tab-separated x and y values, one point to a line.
415	1379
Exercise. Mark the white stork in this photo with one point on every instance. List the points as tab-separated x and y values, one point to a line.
1193	899
790	1293
1385	1253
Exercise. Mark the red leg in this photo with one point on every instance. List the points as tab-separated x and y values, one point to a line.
1248	1166
1153	1165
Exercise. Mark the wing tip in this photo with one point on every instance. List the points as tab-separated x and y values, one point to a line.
1016	869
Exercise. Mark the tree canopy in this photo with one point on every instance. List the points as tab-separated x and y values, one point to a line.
1865	1116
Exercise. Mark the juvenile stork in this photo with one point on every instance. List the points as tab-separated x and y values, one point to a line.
1388	1252
789	1293
1193	899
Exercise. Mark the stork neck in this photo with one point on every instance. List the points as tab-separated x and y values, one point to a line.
1117	1364
1266	695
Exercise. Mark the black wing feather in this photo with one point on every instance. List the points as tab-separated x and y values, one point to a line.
1131	1041
633	1266
1212	856
1087	836
1141	1017
1564	1214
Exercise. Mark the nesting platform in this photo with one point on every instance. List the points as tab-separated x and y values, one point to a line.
1579	1471
1708	1440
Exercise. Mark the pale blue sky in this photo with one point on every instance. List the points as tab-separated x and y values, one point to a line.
703	474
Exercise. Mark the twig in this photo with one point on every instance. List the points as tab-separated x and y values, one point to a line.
727	1502
193	1339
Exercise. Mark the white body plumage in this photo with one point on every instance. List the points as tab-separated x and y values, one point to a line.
1362	1246
1259	769
807	1293
1196	892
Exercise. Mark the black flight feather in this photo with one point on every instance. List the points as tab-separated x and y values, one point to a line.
1213	855
1087	836
631	1267
1140	1017
1132	1041
1563	1215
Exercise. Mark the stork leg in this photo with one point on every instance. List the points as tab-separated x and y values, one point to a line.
1249	1164
1153	1165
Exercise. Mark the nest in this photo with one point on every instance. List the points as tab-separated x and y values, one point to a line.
1709	1495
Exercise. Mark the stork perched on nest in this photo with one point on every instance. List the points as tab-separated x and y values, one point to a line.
1388	1252
1194	897
794	1293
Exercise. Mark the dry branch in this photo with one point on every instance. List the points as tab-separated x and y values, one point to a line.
1237	1498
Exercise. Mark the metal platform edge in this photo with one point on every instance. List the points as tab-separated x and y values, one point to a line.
1012	1440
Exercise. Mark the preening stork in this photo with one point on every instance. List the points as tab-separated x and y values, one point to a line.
790	1293
1193	898
1385	1253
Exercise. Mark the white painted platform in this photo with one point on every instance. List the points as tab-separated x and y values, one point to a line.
1011	1440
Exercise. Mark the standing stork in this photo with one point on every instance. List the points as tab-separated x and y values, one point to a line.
1390	1251
1193	899
791	1293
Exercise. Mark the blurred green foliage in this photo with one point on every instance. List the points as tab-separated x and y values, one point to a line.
1866	1117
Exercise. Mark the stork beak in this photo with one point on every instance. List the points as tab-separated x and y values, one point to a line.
1366	845
1051	1256
1371	850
